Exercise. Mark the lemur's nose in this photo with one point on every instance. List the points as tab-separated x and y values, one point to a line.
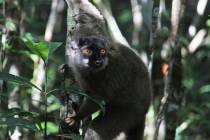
98	62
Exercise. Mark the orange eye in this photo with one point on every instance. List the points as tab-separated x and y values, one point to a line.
103	51
87	52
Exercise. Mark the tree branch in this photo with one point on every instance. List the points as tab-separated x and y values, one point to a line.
112	24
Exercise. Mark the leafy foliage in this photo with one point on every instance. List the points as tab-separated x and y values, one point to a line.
42	49
17	79
8	118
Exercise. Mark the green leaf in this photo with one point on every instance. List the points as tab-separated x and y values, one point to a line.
95	114
54	106
71	136
204	89
208	22
27	36
23	123
53	46
9	113
10	25
27	114
125	16
16	111
41	50
51	127
17	79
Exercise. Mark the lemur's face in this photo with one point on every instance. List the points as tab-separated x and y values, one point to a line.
90	53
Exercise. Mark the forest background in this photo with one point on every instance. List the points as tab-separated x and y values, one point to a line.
171	36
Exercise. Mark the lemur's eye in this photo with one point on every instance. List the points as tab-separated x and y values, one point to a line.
87	52
103	51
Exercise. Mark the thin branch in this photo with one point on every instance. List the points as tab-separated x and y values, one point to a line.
201	7
52	19
175	18
197	40
171	90
112	24
155	15
84	6
137	21
160	115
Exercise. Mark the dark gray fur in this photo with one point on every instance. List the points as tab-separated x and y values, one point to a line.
125	87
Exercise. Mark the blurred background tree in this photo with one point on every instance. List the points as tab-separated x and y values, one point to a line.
172	37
